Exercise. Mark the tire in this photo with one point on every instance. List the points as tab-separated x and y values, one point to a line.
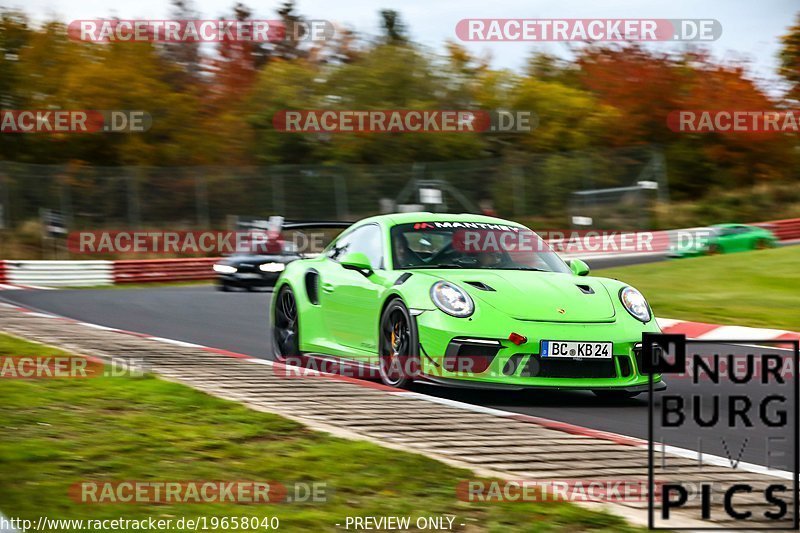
714	249
762	244
286	328
615	395
223	287
398	346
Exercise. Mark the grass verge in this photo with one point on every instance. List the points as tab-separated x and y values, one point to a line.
56	432
757	288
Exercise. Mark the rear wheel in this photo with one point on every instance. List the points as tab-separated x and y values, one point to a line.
398	346
285	330
762	244
714	249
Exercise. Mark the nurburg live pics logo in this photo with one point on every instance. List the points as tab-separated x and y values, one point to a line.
739	400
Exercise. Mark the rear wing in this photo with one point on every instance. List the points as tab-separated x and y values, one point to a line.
279	236
309	224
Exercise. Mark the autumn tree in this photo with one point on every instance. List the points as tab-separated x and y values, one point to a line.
789	56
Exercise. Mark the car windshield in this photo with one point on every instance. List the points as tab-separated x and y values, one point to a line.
471	245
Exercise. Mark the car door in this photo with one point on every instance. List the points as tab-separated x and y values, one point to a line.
351	299
740	239
726	239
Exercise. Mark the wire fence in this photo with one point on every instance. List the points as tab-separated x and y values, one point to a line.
603	185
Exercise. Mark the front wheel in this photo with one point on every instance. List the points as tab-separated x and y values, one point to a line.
398	346
285	327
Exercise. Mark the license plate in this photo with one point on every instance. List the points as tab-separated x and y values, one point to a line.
572	349
247	275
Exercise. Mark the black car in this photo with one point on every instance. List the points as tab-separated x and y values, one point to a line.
251	271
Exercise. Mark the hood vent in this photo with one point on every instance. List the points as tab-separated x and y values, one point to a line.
585	289
480	285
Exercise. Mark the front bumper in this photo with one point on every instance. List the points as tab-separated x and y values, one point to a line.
510	366
488	385
249	279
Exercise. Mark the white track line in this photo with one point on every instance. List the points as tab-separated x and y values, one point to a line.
732	333
176	343
98	326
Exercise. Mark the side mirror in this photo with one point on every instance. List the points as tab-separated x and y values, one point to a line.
578	267
357	261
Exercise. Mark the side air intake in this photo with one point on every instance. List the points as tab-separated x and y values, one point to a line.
312	286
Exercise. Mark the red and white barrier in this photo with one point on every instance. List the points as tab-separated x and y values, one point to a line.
34	274
155	270
784	230
47	274
710	332
57	273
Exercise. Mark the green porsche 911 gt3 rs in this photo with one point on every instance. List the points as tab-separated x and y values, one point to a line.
729	238
461	300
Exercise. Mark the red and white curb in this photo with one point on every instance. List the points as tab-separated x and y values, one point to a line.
713	332
669	326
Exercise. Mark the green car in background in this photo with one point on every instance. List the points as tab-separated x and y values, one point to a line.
728	238
462	301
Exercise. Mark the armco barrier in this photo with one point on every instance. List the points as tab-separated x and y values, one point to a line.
785	230
154	270
89	273
58	273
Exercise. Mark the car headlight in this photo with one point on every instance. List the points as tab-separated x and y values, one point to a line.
224	269
272	267
635	304
452	299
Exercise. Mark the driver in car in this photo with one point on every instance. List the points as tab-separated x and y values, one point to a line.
404	256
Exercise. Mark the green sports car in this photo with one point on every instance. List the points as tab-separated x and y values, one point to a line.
727	238
461	300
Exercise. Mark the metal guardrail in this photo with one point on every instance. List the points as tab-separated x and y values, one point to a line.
59	273
90	273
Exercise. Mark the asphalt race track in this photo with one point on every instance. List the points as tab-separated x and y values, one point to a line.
237	322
